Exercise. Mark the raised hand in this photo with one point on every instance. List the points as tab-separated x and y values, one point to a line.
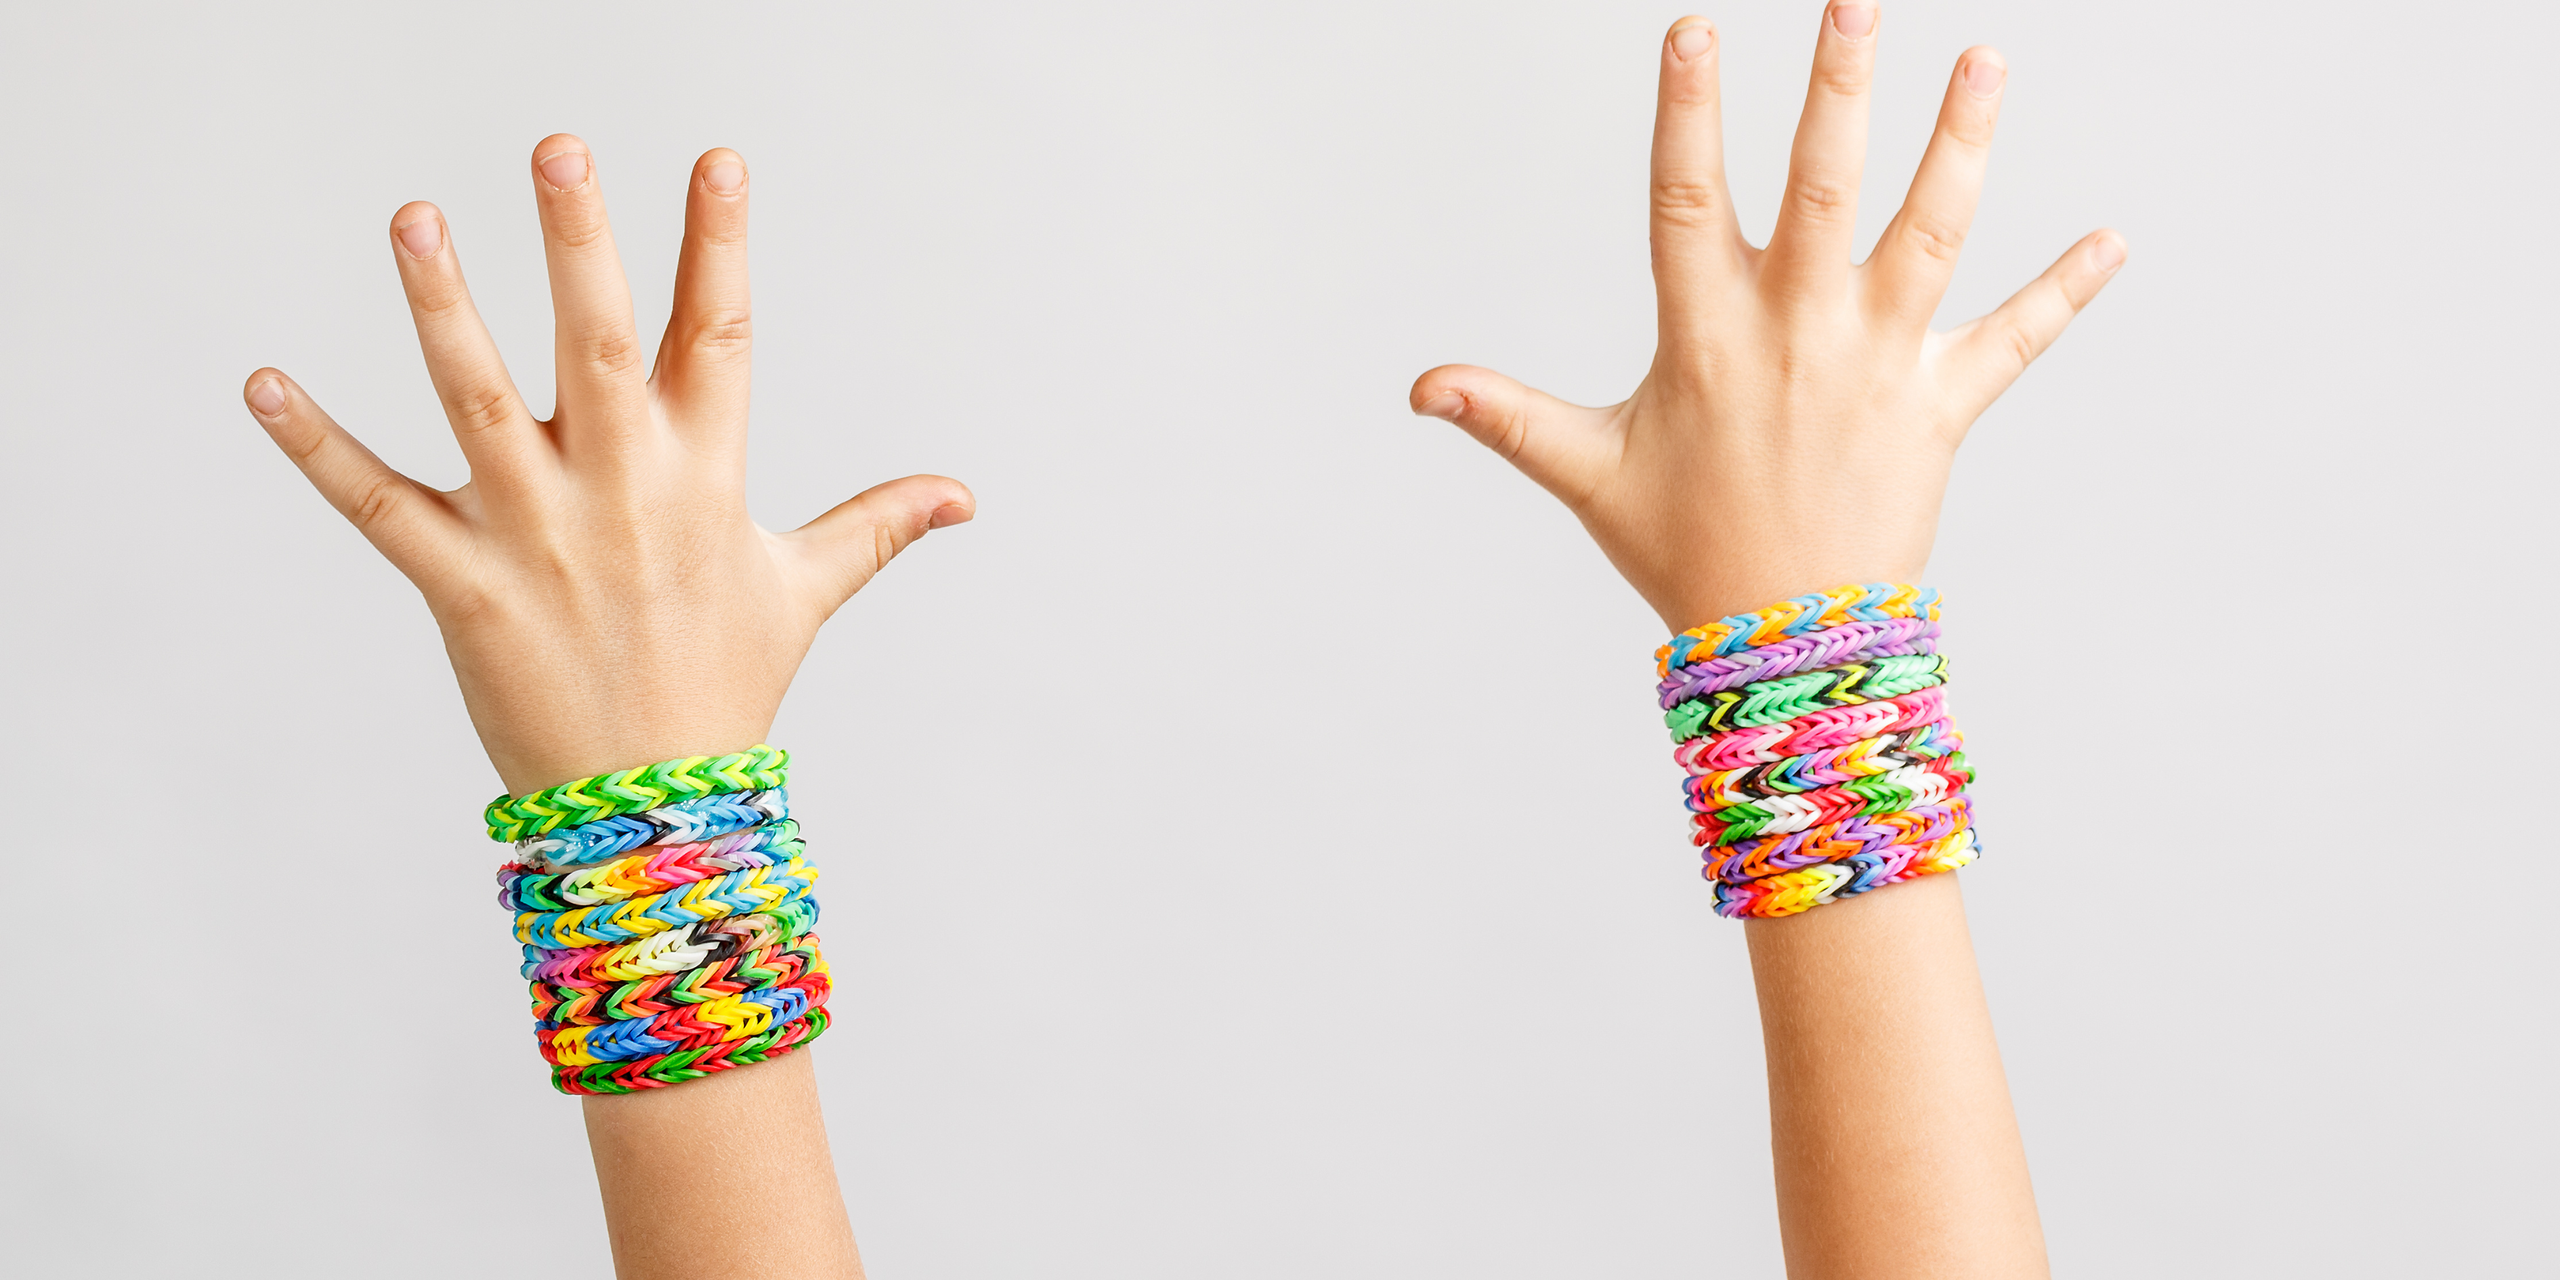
1797	426
603	594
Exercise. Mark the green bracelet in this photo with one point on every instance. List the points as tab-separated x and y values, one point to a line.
1775	701
610	795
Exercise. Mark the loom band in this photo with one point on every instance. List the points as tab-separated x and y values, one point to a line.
1868	602
655	869
1838	727
587	1004
1768	856
1855	642
672	952
650	786
1820	886
686	822
1879	776
732	893
1794	775
1915	785
749	1013
1778	701
689	1064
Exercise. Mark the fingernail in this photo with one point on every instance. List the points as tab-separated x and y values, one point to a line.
948	514
1445	406
423	237
1984	77
1693	42
1853	21
725	177
2107	255
267	398
567	170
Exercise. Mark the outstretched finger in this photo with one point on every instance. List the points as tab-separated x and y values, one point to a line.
1809	247
850	544
702	363
406	521
496	431
1984	357
1697	243
1565	447
603	388
1916	255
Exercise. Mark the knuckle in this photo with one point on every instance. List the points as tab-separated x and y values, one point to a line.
2019	344
376	498
1847	79
581	233
1934	238
481	408
1686	204
727	329
1822	197
613	350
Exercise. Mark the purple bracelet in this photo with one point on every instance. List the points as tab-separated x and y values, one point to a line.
1849	642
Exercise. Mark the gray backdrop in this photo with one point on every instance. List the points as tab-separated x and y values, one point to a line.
1252	850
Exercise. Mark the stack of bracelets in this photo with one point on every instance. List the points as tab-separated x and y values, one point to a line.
665	916
1820	756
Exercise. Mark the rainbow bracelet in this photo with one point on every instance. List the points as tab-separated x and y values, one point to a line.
1820	757
667	919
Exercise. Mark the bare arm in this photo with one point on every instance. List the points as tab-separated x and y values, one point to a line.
607	603
1795	433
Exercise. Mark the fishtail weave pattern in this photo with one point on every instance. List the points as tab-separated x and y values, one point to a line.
1820	757
652	786
667	921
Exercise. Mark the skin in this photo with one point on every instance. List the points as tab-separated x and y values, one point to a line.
1795	432
607	602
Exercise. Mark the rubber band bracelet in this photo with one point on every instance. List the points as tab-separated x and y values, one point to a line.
734	1017
1778	701
652	869
1817	886
588	1003
728	894
1818	769
1821	611
662	1070
652	786
1839	727
1918	785
1851	642
685	821
673	951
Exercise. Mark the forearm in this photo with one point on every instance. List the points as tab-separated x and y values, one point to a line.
676	1165
1896	1147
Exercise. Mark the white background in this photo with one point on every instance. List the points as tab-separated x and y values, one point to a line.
1251	846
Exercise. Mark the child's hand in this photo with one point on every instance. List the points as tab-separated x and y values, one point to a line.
603	595
1799	419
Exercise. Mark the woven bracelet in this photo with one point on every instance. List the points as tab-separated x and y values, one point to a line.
673	951
589	1003
731	893
1778	701
1850	642
684	822
1928	782
648	787
732	1017
1839	727
1821	611
1815	770
1796	891
652	869
1766	856
691	1064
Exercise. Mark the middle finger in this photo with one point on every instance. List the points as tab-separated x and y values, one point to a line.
603	396
1808	256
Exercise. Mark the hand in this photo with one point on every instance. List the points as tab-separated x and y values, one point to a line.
1797	426
603	595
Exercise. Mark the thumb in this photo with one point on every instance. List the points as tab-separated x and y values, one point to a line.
851	542
1564	447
